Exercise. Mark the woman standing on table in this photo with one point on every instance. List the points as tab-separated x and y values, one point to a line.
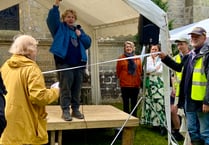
69	46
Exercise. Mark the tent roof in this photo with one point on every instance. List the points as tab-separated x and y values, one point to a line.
100	14
184	30
97	12
93	12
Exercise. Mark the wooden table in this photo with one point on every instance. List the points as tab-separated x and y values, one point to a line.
96	116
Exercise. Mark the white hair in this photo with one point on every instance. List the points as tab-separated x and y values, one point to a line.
23	45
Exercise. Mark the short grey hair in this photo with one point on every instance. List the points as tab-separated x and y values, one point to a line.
23	45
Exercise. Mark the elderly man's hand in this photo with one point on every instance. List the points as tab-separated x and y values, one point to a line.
205	108
162	55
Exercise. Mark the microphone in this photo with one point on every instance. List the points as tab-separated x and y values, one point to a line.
78	27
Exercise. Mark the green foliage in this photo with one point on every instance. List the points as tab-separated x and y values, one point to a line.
161	4
170	24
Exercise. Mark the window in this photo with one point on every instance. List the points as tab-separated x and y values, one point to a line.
9	18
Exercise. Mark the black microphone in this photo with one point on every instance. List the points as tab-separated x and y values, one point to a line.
78	27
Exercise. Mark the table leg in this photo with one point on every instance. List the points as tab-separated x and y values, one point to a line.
128	136
59	137
52	137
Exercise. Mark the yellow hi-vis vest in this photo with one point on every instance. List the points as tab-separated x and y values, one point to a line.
199	81
178	75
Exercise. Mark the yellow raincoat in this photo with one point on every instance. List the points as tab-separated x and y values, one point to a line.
25	102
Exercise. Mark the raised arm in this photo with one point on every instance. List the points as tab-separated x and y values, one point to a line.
53	19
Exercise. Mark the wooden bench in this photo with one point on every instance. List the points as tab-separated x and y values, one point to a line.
96	116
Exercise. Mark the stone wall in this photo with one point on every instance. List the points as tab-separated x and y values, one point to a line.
184	12
176	12
109	52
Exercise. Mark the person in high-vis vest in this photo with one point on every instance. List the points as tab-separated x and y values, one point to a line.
183	48
194	86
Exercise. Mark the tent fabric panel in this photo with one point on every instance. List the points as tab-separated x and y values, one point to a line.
124	28
97	12
149	10
184	30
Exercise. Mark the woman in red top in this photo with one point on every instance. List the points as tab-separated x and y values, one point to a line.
129	73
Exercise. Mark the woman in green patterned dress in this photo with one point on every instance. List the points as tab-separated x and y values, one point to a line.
153	111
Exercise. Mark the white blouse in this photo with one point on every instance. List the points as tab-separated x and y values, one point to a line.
152	65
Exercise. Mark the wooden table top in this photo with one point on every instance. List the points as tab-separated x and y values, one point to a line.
96	116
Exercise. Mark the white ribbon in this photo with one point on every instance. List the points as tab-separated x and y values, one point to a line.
114	60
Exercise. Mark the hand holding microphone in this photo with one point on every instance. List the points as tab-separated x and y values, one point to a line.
77	30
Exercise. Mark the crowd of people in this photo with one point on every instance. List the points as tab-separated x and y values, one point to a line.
24	95
189	81
194	91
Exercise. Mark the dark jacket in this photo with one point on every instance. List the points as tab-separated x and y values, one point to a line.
61	34
2	106
185	85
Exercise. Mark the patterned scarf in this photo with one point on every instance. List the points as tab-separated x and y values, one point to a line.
131	64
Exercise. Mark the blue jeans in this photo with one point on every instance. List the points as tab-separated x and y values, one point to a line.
70	88
198	126
204	126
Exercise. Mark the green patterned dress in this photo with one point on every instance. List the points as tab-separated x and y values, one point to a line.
153	109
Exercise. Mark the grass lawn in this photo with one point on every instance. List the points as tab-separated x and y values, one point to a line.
143	136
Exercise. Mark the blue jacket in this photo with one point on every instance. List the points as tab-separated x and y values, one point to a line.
61	34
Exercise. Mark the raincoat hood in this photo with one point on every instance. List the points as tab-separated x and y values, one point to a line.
17	61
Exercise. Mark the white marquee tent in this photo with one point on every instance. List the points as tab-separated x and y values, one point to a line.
108	18
184	30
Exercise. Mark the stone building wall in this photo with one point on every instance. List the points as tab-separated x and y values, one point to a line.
176	12
33	19
109	52
184	12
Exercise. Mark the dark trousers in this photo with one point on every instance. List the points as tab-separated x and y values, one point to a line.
70	88
129	96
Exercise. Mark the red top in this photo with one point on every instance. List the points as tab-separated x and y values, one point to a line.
126	79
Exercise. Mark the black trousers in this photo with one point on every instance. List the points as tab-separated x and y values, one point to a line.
130	97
